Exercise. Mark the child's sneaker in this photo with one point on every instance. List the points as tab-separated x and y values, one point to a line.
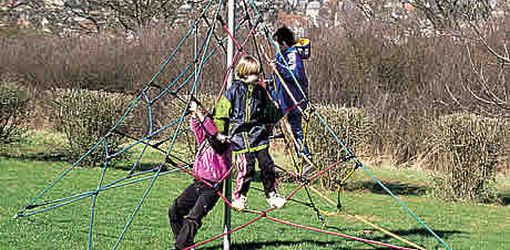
307	168
241	203
276	201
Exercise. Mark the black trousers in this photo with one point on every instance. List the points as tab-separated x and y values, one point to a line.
246	172
188	210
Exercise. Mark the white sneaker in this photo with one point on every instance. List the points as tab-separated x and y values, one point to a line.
276	201
241	203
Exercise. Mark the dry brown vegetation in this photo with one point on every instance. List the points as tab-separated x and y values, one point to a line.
403	80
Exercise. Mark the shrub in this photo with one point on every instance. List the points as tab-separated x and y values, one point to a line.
353	125
465	151
14	111
401	83
85	116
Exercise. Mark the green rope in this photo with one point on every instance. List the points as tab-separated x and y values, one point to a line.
94	199
399	201
277	48
64	173
81	196
174	138
344	147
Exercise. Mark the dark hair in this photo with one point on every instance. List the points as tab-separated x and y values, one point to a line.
284	35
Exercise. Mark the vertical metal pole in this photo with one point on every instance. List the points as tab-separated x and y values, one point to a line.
230	58
195	56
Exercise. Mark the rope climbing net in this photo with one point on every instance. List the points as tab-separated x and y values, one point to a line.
184	88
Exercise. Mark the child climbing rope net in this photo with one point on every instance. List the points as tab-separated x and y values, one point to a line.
183	89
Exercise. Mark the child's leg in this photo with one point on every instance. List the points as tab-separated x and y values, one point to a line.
295	120
207	198
267	171
181	207
245	173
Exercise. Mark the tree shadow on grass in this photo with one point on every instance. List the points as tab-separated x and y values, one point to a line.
62	157
40	156
140	167
444	234
281	243
397	188
504	199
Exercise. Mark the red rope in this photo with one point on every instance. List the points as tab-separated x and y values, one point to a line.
337	234
225	233
236	55
232	38
262	214
316	175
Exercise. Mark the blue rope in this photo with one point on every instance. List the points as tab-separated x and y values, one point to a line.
139	179
130	108
65	172
115	184
139	158
190	65
94	199
400	202
131	218
171	56
195	86
171	124
77	197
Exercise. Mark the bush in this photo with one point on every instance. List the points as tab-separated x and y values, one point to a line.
14	111
401	83
114	63
353	125
465	151
84	116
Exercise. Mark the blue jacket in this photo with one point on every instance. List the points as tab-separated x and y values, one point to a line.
244	111
296	67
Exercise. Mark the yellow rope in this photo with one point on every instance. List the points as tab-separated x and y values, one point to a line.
305	132
353	170
359	218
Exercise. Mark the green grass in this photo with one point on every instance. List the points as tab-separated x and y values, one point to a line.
463	225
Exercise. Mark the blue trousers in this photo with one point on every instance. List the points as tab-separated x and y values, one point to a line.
294	117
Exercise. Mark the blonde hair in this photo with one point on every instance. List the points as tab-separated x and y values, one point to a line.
247	66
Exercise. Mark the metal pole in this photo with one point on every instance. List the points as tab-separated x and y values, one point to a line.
195	56
230	57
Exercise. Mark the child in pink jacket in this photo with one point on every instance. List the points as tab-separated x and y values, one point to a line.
211	164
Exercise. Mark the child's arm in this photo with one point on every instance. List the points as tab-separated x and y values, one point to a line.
213	136
295	66
198	118
205	129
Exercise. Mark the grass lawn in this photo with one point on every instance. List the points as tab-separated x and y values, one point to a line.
462	225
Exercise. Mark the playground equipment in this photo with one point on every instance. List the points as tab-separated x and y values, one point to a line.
184	88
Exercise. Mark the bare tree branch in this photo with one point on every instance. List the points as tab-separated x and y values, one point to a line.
504	59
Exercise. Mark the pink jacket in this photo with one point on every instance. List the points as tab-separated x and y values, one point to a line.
209	165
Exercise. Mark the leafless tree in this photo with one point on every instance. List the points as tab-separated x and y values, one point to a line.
489	89
134	14
447	13
94	15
